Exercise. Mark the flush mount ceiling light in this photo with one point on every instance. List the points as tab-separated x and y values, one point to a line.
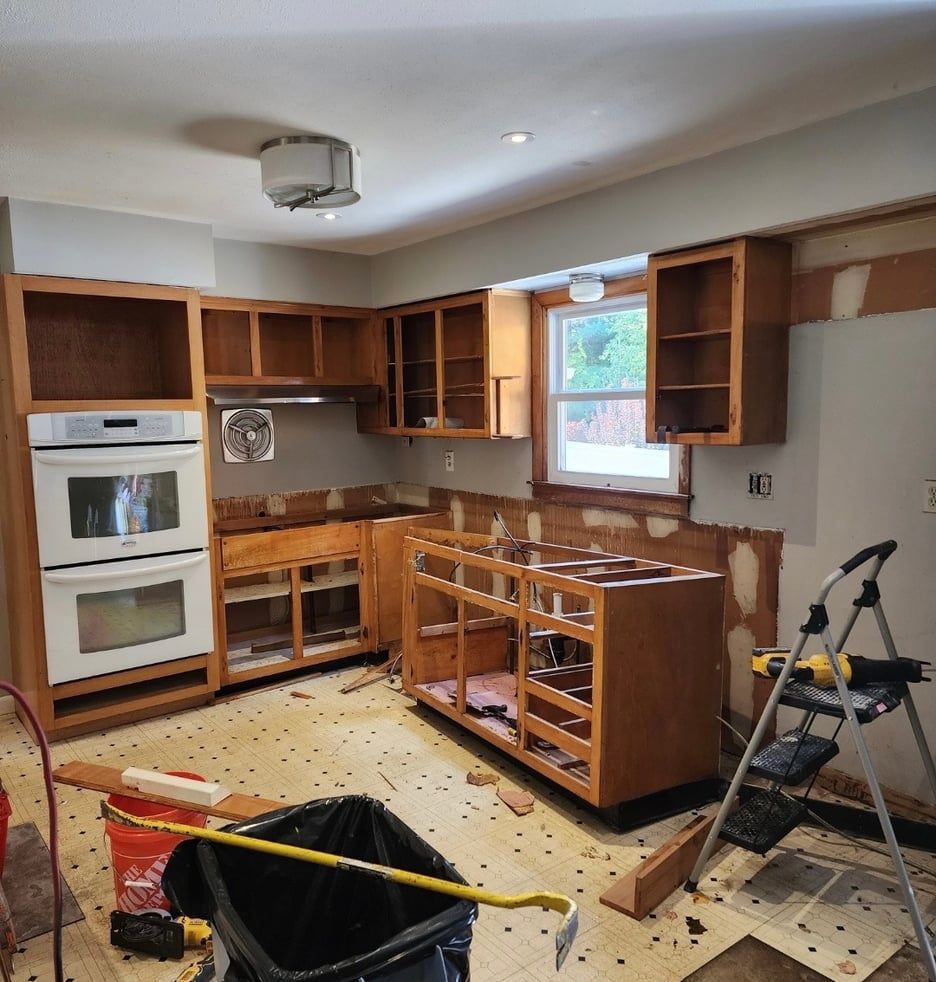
310	172
586	287
518	136
329	216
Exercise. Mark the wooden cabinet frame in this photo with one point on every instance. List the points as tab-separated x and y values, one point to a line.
501	355
648	647
718	343
118	697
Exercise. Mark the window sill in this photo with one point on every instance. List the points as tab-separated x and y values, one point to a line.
670	504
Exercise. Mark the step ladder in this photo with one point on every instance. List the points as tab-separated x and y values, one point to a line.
769	815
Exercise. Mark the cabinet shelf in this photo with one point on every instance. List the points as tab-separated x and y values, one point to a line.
265	591
693	388
697	335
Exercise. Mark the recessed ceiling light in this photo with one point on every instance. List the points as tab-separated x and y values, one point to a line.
329	216
518	136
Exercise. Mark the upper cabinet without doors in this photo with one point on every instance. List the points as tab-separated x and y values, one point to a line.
252	341
717	343
458	367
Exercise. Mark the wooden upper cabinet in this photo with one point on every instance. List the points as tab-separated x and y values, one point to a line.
717	343
458	367
252	341
82	343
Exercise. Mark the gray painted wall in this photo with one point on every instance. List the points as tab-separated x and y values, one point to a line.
89	243
259	271
879	154
316	447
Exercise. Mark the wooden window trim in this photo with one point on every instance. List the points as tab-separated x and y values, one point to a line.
647	502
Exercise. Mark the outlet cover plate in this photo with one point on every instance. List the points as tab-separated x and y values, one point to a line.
929	497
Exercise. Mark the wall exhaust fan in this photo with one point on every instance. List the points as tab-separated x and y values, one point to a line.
246	435
310	172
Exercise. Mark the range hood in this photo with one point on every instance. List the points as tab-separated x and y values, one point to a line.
260	395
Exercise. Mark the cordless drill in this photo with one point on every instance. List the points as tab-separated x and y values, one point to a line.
856	670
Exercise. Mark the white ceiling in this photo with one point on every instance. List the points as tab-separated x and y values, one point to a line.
160	107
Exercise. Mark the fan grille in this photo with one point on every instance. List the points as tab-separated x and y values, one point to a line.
248	434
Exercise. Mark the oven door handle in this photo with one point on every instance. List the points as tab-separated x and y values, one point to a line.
117	574
74	459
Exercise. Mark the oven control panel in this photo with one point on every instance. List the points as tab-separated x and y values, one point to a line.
116	427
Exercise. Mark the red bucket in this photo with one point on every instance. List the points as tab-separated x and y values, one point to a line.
5	812
139	856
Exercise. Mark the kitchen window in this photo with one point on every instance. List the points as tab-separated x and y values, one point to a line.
593	417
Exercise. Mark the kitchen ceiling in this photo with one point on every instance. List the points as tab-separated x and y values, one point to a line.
160	108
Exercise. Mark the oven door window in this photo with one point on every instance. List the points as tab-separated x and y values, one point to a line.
124	618
123	505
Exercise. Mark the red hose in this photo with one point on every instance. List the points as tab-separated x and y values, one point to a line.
43	742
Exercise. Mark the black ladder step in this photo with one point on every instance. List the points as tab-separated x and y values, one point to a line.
870	701
763	820
793	757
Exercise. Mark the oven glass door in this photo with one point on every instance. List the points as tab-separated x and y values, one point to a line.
95	503
115	616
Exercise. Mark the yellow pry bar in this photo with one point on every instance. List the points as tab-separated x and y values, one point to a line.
559	902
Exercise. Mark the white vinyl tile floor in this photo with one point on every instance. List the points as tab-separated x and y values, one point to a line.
819	899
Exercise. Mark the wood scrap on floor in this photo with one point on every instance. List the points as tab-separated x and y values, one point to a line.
296	694
519	802
107	780
372	674
480	778
647	885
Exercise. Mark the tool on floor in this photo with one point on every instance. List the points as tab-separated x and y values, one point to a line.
857	671
565	935
153	934
766	817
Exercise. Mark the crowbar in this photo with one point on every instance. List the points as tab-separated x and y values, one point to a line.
565	935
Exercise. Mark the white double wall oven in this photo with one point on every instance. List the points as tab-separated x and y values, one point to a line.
122	517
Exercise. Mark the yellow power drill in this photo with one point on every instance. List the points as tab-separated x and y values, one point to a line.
856	670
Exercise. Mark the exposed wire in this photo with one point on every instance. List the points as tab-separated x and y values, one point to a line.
42	740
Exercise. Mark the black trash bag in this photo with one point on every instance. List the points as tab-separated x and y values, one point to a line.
283	920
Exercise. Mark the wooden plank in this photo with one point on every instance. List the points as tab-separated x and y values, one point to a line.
549	731
567	566
477	624
437	658
310	545
613	577
281	588
98	777
559	697
475	596
646	886
146	673
461	669
256	365
571	629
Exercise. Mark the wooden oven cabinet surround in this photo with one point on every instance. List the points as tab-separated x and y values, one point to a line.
616	662
82	345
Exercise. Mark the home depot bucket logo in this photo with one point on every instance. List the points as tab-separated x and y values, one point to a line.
143	888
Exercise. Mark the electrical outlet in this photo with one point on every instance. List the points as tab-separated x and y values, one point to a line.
448	459
929	500
760	485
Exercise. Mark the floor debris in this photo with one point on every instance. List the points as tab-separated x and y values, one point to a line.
592	852
301	695
480	778
519	802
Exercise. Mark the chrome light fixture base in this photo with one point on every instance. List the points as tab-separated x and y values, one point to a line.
310	172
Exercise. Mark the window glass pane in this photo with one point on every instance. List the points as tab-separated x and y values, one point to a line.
604	351
608	436
121	618
126	504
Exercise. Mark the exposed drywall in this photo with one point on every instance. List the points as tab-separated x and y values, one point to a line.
315	447
259	271
63	240
879	154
